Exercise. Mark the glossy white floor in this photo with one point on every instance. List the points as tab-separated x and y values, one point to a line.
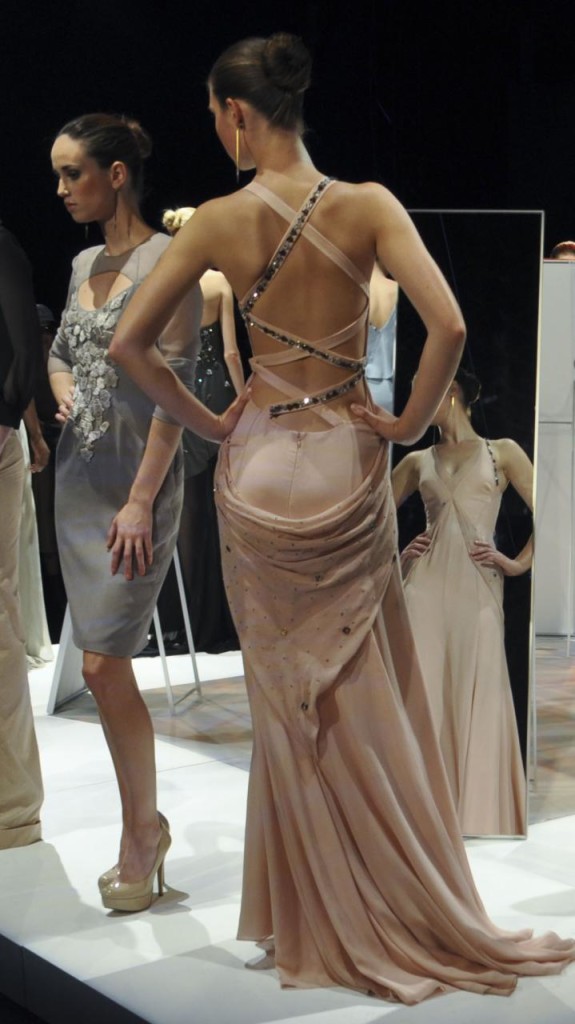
67	959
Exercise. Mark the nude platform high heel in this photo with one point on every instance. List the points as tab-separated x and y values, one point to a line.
112	873
134	896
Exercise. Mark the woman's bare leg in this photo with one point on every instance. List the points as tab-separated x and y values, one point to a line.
130	737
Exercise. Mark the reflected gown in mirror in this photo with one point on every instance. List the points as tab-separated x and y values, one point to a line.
354	866
456	611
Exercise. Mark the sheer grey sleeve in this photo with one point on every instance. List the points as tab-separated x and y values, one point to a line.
59	360
180	343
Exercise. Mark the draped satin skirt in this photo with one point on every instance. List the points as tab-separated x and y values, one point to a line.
354	866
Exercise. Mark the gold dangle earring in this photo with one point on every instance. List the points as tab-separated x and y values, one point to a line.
238	126
452	402
115	211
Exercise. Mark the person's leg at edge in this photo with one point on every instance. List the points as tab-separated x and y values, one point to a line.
130	738
21	791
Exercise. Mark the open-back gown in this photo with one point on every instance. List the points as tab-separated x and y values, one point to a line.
354	866
456	612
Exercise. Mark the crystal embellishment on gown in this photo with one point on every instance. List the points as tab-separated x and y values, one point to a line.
93	373
285	249
306	347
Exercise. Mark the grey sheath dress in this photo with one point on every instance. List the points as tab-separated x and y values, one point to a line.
100	451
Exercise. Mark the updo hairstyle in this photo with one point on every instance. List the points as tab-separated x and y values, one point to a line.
470	387
110	137
271	74
173	220
563	251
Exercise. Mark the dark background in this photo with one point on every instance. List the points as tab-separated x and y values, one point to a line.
450	104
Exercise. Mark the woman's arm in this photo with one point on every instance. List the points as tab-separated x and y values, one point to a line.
62	384
130	533
133	346
405	478
39	449
228	326
403	254
405	481
130	536
517	467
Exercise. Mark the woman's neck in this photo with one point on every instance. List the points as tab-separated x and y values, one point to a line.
125	230
282	154
457	430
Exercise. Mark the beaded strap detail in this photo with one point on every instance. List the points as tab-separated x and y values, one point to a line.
285	248
492	457
298	400
345	362
310	400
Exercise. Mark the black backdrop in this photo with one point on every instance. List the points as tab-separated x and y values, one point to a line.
451	104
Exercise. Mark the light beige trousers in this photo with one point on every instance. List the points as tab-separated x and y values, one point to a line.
21	790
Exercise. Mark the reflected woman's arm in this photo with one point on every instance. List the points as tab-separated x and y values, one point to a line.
405	478
404	482
402	253
517	468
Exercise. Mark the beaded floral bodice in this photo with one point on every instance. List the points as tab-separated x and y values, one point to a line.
89	333
301	347
83	338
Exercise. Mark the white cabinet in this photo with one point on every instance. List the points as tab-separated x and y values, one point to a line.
554	523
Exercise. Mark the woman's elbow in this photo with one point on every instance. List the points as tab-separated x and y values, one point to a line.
456	331
119	349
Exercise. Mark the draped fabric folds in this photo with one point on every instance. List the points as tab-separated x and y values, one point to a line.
354	866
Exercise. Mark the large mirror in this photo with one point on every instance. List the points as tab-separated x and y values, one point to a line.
472	623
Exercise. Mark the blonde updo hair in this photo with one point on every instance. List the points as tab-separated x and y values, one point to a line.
173	220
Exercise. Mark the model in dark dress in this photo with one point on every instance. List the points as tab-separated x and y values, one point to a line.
198	541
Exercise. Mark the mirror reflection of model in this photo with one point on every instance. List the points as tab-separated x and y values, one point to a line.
454	589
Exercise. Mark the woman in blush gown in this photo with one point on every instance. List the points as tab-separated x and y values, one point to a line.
454	592
355	873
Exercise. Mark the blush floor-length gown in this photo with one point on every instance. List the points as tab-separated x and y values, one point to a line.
354	867
456	611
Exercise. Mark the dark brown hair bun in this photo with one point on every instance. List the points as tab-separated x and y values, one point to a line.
271	74
142	139
287	63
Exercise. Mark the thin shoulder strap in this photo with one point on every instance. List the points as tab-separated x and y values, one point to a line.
285	245
311	233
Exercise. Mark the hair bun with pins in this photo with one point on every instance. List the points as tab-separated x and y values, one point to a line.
287	63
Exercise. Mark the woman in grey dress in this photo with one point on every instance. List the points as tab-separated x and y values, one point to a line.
119	471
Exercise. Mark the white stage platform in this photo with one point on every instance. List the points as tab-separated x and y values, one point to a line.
68	960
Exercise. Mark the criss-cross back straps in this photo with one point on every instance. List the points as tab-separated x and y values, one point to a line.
286	243
299	348
289	238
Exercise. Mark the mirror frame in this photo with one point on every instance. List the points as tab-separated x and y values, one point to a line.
492	260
